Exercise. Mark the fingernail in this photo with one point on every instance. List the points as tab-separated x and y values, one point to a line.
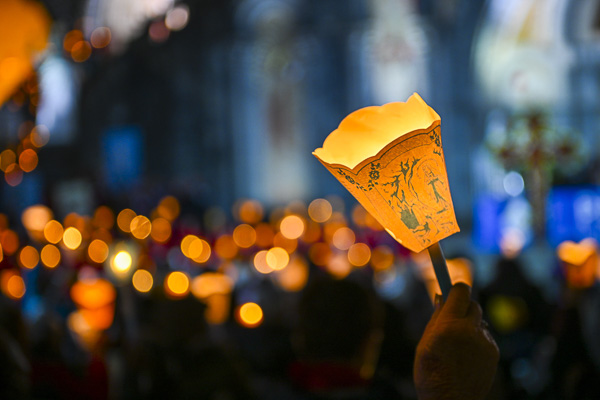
437	301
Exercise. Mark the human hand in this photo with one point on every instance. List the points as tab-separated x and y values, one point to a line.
456	357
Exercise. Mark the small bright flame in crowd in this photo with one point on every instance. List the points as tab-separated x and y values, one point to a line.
142	281
250	315
72	238
244	236
140	227
28	160
121	262
382	258
100	37
277	258
98	251
161	230
177	18
249	211
50	256
343	238
29	257
124	219
169	208
10	242
177	284
260	262
359	254
293	277
53	231
320	210
225	247
12	285
104	218
292	227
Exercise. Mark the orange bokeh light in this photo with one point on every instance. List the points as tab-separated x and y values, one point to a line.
104	218
98	251
161	230
10	241
169	208
225	247
140	227
320	210
29	257
244	236
28	160
124	219
53	231
100	37
359	254
50	256
177	284
81	51
72	238
142	281
250	315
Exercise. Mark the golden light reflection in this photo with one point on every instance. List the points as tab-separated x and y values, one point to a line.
185	244
28	160
359	254
211	283
35	218
10	241
140	227
177	284
29	257
99	319
249	315
1	254
102	234
294	277
277	258
225	247
264	235
124	219
50	256
100	37
338	266
142	281
12	285
249	211
291	226
7	158
98	251
121	262
204	256
53	231
104	218
217	308
71	38
72	238
244	236
320	210
289	245
93	293
260	262
169	208
161	230
343	238
382	258
312	233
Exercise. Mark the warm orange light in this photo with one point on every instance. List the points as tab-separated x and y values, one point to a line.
99	319
93	293
50	256
177	284
72	238
81	51
98	251
29	257
142	281
319	254
290	245
277	258
71	38
12	285
104	218
211	283
225	247
13	175
121	263
260	262
35	218
10	241
161	230
580	262
244	236
292	227
40	136
320	210
293	277
343	238
140	227
249	211
264	235
28	160
169	208
124	219
382	258
1	254
53	231
100	37
390	159
359	254
250	315
7	158
312	233
338	266
191	246
204	254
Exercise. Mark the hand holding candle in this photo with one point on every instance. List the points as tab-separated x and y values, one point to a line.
391	159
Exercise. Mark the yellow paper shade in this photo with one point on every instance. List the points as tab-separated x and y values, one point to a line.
579	262
391	159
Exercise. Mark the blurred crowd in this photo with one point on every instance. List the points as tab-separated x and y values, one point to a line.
335	339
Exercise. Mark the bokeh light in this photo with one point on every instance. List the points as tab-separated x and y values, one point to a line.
100	37
290	245
10	241
186	246
343	238
211	283
293	277
53	231
140	227
50	256
12	285
277	258
225	247
29	257
35	218
292	227
124	219
104	218
319	254
158	31
359	254
244	236
71	38
339	266
142	280
161	230
382	258
264	235
92	292
204	256
121	262
98	251
177	284
40	136
320	210
13	175
81	51
72	238
177	18
169	208
7	158
250	315
249	211
28	160
260	262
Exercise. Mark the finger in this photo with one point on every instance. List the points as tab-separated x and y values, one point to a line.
474	313
458	302
438	302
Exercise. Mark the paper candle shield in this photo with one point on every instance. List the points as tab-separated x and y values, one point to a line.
390	158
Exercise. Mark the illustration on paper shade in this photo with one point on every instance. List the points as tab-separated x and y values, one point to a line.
410	176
